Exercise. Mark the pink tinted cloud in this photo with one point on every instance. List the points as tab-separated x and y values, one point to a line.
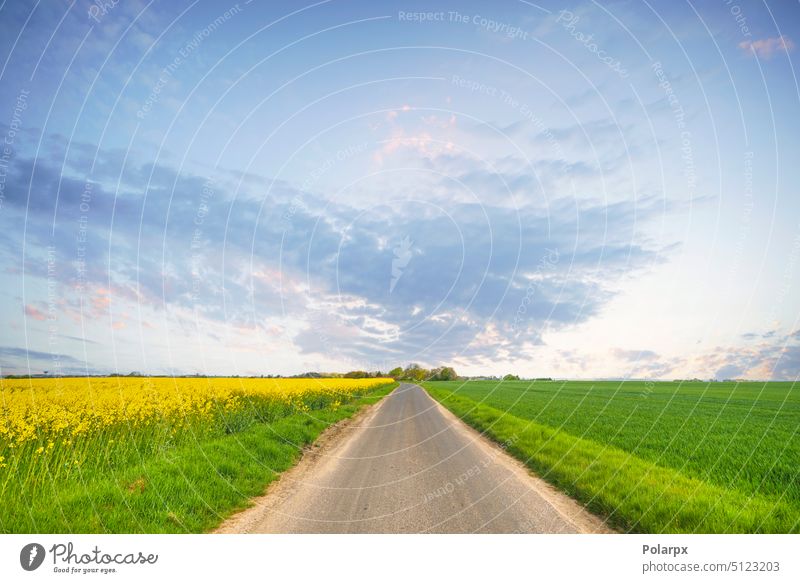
766	48
34	313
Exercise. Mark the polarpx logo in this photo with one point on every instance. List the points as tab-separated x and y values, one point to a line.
31	556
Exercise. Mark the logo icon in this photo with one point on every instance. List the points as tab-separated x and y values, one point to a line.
31	556
402	255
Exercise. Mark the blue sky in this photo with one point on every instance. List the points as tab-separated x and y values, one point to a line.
590	190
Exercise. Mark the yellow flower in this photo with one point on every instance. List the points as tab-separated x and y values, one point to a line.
65	412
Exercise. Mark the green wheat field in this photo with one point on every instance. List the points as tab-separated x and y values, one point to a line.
707	457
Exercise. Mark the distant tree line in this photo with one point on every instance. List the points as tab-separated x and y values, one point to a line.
414	372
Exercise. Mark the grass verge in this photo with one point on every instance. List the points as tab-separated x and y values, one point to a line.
186	489
633	494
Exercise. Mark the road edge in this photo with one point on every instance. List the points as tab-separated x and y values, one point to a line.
329	441
584	521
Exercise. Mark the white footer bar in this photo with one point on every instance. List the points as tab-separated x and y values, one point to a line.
407	558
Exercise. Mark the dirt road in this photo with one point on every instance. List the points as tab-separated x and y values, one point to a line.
409	465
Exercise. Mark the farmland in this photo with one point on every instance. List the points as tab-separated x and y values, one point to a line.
155	454
651	457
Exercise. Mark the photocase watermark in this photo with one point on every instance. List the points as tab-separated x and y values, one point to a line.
522	108
569	21
101	8
478	20
472	472
404	16
52	308
474	86
297	204
402	256
546	264
183	53
197	243
738	15
7	151
649	387
340	156
687	154
747	216
494	26
84	206
450	486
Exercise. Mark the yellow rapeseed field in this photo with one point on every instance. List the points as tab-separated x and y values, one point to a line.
68	408
52	426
